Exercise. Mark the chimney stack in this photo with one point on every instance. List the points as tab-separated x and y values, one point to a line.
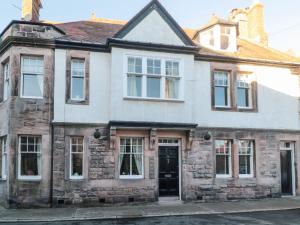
31	10
251	22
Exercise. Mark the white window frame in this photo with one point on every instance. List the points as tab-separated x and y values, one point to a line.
6	81
144	75
24	177
229	160
4	171
36	74
84	80
224	85
72	177
244	84
251	175
132	177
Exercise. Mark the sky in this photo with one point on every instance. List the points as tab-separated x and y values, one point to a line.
282	19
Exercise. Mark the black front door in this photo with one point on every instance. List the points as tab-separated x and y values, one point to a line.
168	171
286	172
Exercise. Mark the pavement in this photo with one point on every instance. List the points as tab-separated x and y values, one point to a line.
159	209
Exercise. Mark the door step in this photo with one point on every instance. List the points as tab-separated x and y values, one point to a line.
169	200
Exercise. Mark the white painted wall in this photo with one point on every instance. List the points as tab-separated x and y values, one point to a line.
153	29
278	92
98	109
152	111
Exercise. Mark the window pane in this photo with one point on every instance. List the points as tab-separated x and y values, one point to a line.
222	164
134	65
221	96
172	68
32	85
78	67
153	66
172	88
138	65
211	38
125	164
32	65
153	87
242	97
134	86
30	164
77	162
244	164
224	42
77	88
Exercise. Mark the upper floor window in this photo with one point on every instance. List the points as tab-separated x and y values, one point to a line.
153	78
221	89
134	77
77	79
219	37
4	159
223	158
76	158
32	85
246	161
30	152
131	158
6	81
225	37
244	94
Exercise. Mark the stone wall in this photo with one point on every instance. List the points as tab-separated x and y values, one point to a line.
30	117
101	184
199	167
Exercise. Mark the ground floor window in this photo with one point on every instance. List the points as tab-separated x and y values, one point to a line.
223	158
3	160
246	151
76	158
30	157
131	158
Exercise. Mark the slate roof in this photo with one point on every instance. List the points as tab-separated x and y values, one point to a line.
89	31
98	31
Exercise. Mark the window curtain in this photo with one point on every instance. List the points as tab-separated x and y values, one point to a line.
137	164
172	88
132	87
40	83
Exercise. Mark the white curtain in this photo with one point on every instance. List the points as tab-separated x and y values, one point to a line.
172	88
132	87
138	158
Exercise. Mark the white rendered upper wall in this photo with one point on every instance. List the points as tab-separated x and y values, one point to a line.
277	95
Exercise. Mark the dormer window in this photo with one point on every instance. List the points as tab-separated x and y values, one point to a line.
219	37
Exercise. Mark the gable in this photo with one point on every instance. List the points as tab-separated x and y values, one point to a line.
154	25
154	29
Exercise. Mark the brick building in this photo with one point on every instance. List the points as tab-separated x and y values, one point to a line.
103	111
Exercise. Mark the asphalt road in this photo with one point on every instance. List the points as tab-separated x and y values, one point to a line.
290	217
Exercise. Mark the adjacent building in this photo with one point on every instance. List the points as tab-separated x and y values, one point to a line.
103	111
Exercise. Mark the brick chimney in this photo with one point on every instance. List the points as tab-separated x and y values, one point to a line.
31	10
251	22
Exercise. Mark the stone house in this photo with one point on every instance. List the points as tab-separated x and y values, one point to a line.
103	111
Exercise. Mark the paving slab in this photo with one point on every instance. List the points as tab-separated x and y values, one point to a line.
159	209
